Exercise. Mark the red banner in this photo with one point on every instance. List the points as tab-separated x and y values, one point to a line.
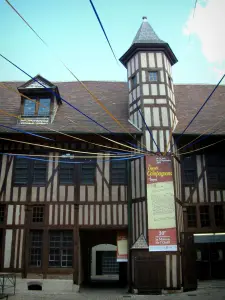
162	233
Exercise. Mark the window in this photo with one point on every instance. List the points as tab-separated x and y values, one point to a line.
37	107
118	172
30	171
39	172
2	214
36	244
189	170
66	173
170	82
133	81
44	107
216	171
29	107
219	215
88	171
61	249
38	214
21	171
153	76
191	216
204	216
109	263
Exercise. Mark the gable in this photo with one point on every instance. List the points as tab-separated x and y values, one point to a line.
33	84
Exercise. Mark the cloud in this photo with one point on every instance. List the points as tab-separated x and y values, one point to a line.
208	25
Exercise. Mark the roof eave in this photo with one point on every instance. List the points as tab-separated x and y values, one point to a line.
136	47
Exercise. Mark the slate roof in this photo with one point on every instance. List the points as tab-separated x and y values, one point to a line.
146	34
189	98
114	95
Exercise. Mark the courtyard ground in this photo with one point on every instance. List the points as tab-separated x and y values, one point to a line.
206	291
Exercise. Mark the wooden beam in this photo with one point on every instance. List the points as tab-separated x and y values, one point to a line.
76	238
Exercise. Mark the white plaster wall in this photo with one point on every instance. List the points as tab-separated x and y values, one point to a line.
8	247
10	214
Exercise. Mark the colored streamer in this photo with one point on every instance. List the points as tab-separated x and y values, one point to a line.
71	105
84	86
64	162
26	132
176	141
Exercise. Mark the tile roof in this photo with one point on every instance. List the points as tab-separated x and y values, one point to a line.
114	95
189	98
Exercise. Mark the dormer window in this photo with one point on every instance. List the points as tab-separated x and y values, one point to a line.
37	107
39	102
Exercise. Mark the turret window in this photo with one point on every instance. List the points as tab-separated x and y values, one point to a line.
153	76
133	81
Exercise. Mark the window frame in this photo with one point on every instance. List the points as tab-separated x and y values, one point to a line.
170	82
43	218
190	215
133	81
4	214
221	223
219	168
60	248
149	76
94	178
30	173
201	214
37	105
40	247
112	182
73	172
192	168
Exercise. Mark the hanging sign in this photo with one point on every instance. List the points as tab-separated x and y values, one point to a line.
162	233
122	247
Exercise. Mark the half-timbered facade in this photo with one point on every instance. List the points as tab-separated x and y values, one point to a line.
58	205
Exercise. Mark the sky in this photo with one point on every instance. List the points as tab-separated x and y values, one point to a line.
72	32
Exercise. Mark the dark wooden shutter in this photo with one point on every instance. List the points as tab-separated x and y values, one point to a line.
119	172
21	173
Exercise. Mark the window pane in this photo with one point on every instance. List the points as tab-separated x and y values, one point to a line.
36	248
133	81
66	172
21	171
44	107
2	213
204	216
191	216
88	171
118	172
153	76
29	107
39	172
38	214
219	215
61	249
